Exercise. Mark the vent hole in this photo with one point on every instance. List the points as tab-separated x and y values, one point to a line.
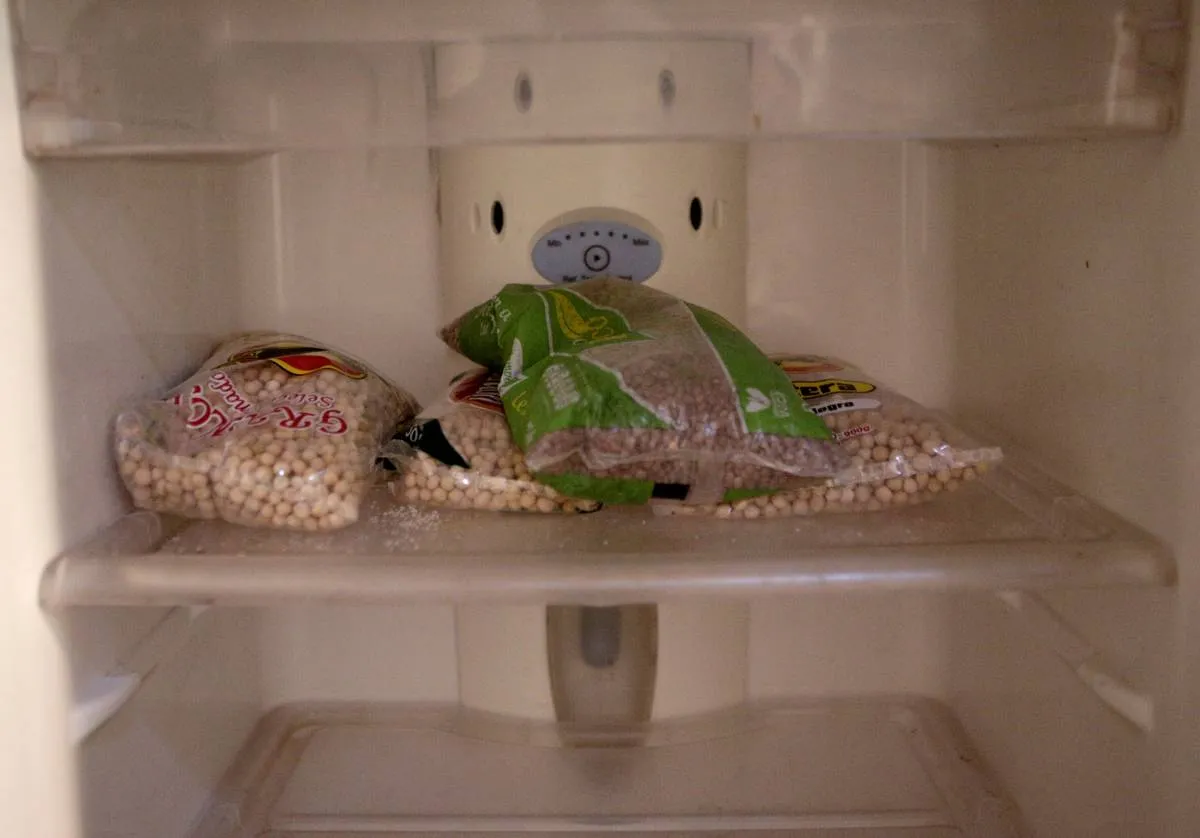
523	92
696	214
497	217
666	88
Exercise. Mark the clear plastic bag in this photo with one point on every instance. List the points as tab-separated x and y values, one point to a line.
892	493
461	455
886	434
901	454
618	392
273	430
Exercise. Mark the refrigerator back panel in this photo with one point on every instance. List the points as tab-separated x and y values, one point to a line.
672	215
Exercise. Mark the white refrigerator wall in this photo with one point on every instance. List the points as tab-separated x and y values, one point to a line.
138	276
1076	309
36	782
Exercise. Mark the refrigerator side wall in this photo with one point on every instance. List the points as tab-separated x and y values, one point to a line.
139	278
1076	323
37	792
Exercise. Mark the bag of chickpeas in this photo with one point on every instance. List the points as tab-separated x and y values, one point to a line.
901	453
622	393
461	455
273	430
886	434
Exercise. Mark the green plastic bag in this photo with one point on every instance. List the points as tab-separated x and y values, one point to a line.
620	393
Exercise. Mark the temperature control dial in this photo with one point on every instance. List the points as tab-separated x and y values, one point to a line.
586	249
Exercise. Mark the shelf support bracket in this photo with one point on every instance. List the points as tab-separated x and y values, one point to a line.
97	699
1044	623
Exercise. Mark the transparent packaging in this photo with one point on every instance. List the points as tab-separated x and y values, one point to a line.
460	455
615	390
273	430
886	434
863	496
901	453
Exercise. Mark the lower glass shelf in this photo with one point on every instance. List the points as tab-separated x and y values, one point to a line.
1015	529
854	768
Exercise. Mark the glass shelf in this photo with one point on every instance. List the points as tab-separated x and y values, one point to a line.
1016	529
852	767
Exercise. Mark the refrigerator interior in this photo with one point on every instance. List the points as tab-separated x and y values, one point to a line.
990	206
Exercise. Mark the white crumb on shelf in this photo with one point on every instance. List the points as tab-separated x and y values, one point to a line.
401	527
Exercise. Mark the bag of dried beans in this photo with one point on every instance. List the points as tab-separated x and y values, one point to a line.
886	434
900	453
621	393
460	454
273	430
